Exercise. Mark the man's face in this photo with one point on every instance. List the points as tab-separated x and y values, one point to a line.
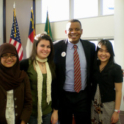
74	31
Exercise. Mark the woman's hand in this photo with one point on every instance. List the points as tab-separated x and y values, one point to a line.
22	122
54	117
114	118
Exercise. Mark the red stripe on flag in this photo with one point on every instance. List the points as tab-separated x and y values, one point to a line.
15	42
31	36
21	56
10	40
18	47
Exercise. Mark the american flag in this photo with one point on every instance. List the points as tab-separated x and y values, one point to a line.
30	35
15	36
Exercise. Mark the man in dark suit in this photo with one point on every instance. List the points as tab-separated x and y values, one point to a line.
69	101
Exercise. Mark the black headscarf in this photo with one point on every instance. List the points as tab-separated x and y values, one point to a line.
10	77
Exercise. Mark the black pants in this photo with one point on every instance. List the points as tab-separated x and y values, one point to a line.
76	104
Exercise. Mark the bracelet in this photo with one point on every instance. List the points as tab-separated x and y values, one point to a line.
118	111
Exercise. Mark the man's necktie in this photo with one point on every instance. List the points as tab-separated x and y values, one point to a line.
77	71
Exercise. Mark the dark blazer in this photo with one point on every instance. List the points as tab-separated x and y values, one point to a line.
22	102
60	61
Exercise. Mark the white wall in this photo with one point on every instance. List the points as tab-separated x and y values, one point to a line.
119	37
23	14
97	27
1	21
93	28
38	9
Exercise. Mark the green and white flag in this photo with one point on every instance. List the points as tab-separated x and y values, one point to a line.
47	27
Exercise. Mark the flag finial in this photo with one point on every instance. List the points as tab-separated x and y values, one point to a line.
14	5
31	7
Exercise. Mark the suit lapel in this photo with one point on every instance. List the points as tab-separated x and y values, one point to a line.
63	51
86	51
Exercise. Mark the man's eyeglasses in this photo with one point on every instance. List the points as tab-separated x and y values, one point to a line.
5	56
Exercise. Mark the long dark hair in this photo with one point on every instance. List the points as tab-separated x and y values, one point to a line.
37	39
109	47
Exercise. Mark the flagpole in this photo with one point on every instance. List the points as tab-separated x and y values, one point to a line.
48	21
15	35
14	12
32	18
30	35
47	26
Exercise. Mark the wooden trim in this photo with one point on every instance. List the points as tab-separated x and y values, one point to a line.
4	21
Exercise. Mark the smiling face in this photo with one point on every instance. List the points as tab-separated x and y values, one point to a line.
103	54
74	31
8	59
43	49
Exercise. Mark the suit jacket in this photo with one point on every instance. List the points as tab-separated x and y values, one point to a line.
60	62
22	102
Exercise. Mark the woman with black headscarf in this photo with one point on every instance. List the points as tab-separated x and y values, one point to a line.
15	94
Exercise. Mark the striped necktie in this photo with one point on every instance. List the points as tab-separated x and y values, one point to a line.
77	71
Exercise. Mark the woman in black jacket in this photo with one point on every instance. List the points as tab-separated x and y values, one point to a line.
106	86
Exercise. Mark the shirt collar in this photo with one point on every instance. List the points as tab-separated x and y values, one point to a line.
70	45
